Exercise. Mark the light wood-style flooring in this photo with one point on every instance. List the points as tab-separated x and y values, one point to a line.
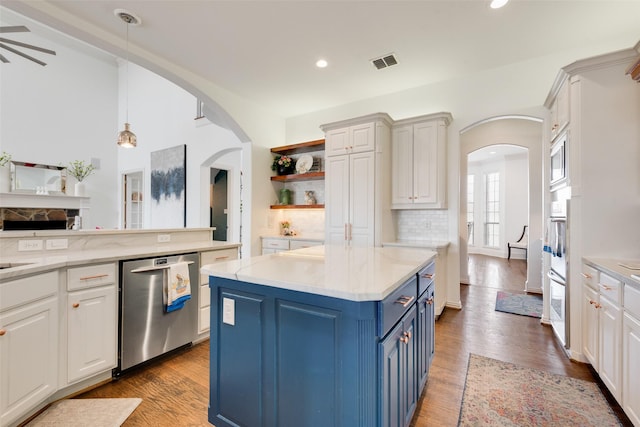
175	391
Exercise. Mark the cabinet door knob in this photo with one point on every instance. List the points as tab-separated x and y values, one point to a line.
407	334
430	301
2	332
404	340
597	305
75	305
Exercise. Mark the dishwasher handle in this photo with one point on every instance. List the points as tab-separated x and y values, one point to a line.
155	267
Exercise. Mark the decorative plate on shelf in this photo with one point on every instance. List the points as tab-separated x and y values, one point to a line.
304	163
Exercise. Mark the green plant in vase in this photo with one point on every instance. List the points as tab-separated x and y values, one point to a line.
282	164
80	170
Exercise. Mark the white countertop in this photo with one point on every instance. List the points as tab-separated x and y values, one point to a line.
347	272
613	267
44	262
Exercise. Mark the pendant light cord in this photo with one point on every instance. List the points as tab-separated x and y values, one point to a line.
127	77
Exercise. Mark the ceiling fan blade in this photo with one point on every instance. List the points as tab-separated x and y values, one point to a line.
3	59
14	29
24	55
28	46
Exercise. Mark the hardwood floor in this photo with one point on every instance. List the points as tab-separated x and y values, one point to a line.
175	390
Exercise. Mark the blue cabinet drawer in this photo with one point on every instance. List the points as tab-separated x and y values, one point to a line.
393	307
426	276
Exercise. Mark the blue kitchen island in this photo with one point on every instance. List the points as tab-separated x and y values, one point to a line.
322	336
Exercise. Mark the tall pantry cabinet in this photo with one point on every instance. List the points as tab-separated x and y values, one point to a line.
357	180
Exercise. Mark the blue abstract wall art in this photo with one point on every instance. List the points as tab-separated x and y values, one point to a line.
169	187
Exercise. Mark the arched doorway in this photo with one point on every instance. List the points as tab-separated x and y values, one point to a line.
521	131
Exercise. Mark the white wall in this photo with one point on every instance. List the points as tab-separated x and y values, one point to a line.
64	111
162	115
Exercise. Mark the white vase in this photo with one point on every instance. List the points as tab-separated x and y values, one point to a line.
79	189
5	179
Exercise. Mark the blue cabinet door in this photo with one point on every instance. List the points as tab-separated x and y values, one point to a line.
425	343
307	365
398	356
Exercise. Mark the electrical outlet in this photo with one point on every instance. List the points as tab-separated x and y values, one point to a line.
427	225
29	245
57	244
164	238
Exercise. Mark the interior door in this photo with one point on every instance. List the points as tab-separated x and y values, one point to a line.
133	203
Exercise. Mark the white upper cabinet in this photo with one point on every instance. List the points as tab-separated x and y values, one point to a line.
419	157
559	109
352	139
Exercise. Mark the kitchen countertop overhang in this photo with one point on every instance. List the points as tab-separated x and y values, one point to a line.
33	264
355	273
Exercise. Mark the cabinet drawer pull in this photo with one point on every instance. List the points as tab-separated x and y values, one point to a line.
405	300
75	305
404	340
587	276
596	305
407	334
605	287
98	276
427	276
222	257
2	332
430	301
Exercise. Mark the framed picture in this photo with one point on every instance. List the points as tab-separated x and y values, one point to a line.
169	187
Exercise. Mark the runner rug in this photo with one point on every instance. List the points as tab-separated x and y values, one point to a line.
503	394
86	413
523	304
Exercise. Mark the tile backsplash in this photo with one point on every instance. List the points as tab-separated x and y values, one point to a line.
422	224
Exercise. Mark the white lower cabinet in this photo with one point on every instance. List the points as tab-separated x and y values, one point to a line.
272	245
91	332
610	343
92	320
210	257
631	355
28	344
590	312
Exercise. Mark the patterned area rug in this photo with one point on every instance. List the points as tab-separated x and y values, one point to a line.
503	394
523	304
86	413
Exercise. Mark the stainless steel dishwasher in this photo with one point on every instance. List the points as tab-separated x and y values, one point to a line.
146	329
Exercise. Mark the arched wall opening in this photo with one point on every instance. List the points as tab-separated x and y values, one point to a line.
522	131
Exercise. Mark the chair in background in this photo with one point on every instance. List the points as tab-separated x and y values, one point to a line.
521	243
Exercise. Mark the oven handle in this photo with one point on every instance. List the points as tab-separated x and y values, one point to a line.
155	267
556	278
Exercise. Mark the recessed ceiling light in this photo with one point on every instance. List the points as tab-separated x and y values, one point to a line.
321	63
497	4
492	152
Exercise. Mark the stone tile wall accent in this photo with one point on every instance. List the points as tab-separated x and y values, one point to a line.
38	214
423	224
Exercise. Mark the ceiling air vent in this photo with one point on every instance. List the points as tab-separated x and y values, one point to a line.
384	61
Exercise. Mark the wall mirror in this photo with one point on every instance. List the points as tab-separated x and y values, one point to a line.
38	178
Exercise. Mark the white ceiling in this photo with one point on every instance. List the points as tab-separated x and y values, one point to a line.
265	51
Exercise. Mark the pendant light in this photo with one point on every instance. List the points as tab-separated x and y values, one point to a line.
126	138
